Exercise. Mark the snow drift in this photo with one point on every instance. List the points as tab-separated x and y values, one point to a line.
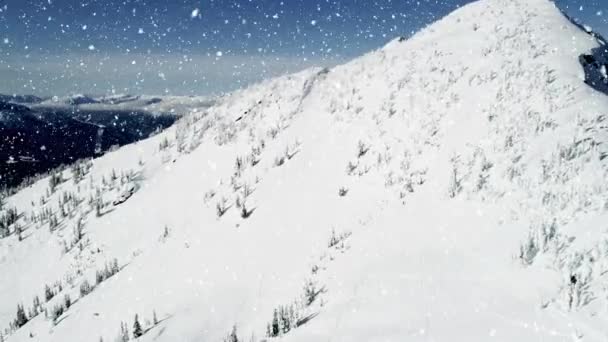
447	187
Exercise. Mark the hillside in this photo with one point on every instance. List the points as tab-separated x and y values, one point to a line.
38	137
451	186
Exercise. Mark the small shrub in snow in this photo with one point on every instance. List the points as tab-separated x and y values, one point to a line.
247	190
342	191
254	156
239	166
528	250
221	207
350	168
337	239
164	144
208	195
54	180
279	160
235	182
362	149
291	152
311	292
455	186
165	233
273	132
245	213
78	230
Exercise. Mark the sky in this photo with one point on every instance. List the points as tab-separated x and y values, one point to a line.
201	47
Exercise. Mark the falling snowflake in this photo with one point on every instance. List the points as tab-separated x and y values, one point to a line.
91	47
195	13
313	22
219	54
140	31
6	41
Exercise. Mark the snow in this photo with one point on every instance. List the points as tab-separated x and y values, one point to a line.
177	105
457	147
195	13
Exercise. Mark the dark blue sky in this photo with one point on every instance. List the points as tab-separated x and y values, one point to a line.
98	46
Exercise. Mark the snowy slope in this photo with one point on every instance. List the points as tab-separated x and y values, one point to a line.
447	187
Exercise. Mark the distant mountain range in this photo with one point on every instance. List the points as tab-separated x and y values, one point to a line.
28	99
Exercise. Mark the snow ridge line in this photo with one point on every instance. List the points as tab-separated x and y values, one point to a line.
308	87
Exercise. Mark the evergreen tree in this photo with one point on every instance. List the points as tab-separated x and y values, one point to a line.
124	332
21	319
48	293
233	335
154	318
275	323
67	301
269	330
137	331
36	305
284	320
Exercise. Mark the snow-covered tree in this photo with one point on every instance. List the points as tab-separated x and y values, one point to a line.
21	318
232	337
137	330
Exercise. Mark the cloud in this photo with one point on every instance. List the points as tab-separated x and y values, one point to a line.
154	74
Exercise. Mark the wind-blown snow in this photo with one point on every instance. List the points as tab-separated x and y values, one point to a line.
464	171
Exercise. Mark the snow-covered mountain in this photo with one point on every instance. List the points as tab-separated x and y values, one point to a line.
153	104
451	186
